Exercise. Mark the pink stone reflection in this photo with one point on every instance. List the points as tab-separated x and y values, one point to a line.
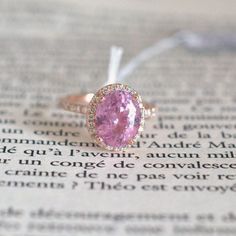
118	118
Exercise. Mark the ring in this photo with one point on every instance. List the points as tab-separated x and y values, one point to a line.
115	115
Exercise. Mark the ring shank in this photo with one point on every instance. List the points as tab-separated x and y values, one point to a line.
79	104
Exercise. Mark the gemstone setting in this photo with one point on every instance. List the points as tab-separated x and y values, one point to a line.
115	116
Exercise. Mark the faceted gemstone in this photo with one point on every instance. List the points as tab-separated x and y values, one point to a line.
117	118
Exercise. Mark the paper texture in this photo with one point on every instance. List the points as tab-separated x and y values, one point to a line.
180	178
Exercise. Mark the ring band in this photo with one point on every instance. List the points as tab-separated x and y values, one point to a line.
115	114
79	104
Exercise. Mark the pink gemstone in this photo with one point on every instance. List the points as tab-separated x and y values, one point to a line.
118	118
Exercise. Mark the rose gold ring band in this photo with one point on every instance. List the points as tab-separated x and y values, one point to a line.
79	104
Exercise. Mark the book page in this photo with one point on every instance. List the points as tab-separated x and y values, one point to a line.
180	176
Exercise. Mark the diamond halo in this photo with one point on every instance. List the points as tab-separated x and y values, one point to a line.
92	108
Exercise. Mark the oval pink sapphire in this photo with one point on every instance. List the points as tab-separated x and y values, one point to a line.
117	118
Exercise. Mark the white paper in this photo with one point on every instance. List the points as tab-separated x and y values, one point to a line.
180	178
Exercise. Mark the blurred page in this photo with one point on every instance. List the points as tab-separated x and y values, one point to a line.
180	177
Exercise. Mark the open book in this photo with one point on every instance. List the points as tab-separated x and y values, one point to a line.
180	177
